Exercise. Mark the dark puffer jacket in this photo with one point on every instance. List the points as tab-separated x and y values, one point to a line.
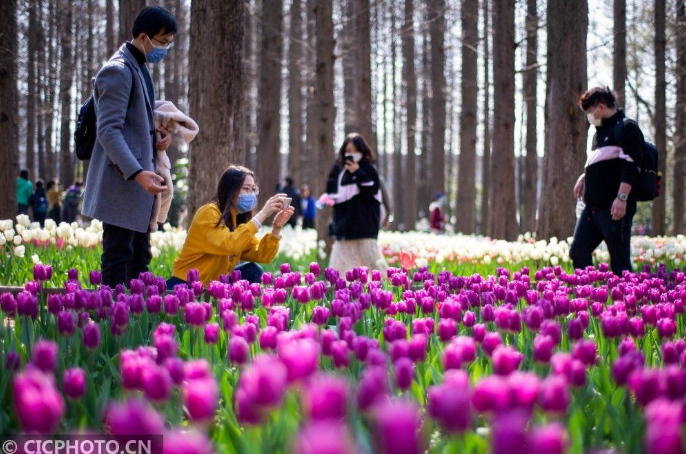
356	212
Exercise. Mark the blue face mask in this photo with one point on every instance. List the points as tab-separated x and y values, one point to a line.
157	54
246	202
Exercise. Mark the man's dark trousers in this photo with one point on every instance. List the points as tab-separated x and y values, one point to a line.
125	254
595	225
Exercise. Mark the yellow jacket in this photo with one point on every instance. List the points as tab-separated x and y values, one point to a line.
217	250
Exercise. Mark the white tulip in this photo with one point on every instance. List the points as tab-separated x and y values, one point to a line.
8	234
3	240
35	259
17	240
19	251
27	235
23	220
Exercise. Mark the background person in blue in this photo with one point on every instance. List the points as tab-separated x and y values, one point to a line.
121	183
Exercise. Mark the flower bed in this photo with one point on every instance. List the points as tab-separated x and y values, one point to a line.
310	362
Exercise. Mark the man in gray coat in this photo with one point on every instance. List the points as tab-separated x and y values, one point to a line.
121	183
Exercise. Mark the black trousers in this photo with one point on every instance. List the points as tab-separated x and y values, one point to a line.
125	254
595	225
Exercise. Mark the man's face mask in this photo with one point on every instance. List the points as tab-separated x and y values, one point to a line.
157	53
592	119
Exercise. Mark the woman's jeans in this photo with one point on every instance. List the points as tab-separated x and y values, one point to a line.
251	272
595	225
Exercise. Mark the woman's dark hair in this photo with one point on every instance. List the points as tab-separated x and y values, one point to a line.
24	174
360	145
50	185
597	95
153	19
230	184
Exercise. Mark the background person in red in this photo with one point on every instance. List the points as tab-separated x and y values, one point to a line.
436	213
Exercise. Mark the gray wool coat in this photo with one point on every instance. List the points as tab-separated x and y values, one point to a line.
124	145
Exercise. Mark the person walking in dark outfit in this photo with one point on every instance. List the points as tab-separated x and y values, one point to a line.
611	171
122	184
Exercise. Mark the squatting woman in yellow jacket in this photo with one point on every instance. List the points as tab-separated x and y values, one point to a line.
223	232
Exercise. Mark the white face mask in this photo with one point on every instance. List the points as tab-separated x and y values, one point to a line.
593	120
357	156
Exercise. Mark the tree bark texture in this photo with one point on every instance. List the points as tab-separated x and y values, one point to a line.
9	145
437	34
619	69
295	91
66	81
128	11
566	125
503	203
269	95
215	95
659	207
680	131
466	181
410	84
486	159
528	219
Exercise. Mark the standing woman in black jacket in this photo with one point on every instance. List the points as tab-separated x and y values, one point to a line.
353	184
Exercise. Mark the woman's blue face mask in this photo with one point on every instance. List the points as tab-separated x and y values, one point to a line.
246	202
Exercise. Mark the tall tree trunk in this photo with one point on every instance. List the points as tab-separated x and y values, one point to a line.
128	10
566	126
109	28
50	79
437	32
503	203
9	107
680	131
425	164
466	184
658	227
398	192
364	70
410	84
528	220
269	111
295	96
66	80
215	95
619	69
311	176
250	39
486	159
350	49
33	31
324	109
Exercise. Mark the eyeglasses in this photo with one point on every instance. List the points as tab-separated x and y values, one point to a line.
254	189
167	46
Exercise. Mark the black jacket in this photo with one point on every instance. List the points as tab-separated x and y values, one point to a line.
604	177
356	212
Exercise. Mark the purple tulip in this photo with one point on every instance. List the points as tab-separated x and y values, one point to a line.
66	323
12	362
95	277
38	404
340	354
193	275
554	394
91	336
397	428
324	437
509	433
479	332
506	360
669	353
268	338
182	441
404	373
200	397
543	348
133	418
300	357
166	347
448	404
373	387
646	385
666	328
552	328
171	304
8	304
239	350
320	315
625	365
55	303
326	397
195	314
524	388
154	304
44	355
469	319
211	333
27	305
584	351
447	329
175	367
550	439
575	329
490	342
491	394
663	428
39	273
156	383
